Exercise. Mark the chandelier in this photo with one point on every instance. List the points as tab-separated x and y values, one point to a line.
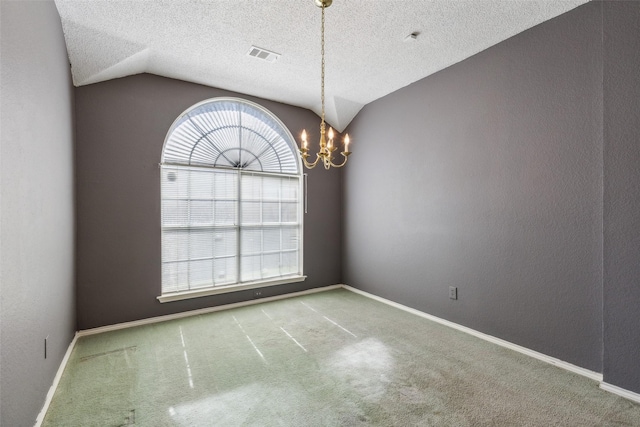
325	154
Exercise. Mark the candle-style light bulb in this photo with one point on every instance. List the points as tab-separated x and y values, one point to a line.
304	138
330	143
346	143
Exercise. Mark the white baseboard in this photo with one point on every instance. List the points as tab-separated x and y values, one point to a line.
56	381
635	397
184	314
540	356
536	355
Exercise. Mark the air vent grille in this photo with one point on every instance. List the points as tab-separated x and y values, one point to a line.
260	53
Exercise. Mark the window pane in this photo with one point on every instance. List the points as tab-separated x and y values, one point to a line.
251	212
271	239
289	263
290	189
289	212
250	267
225	212
201	212
251	187
200	184
175	212
271	188
271	265
270	212
226	270
175	245
175	276
251	241
226	185
225	243
200	273
201	244
290	238
175	183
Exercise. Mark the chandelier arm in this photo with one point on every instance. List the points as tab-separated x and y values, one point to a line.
345	154
311	165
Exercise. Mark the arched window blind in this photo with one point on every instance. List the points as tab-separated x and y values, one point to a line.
231	199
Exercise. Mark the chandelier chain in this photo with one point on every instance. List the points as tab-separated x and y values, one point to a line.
322	55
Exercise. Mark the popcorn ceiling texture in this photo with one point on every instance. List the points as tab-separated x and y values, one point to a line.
366	56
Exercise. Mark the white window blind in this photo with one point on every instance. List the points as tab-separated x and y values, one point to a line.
231	198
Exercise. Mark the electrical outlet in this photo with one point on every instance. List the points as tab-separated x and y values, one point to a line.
453	292
257	293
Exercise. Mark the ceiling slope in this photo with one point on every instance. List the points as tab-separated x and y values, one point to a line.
367	56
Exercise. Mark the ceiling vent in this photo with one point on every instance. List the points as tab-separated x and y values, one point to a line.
267	55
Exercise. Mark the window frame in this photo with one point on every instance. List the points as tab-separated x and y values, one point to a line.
238	222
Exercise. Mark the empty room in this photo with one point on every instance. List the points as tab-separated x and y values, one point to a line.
319	213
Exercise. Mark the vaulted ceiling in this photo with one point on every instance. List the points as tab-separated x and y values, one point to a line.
367	54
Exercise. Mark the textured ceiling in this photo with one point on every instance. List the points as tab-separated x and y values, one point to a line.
206	42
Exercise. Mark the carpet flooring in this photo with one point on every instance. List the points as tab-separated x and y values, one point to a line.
333	358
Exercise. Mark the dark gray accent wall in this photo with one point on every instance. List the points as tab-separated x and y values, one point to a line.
37	214
487	176
622	194
121	127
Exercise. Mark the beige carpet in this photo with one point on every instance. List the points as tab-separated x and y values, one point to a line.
333	358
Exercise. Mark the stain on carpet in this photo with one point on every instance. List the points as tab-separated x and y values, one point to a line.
132	348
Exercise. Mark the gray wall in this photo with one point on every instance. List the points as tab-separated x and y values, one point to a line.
37	214
121	126
488	176
622	194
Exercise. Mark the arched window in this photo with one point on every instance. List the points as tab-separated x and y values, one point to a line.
231	201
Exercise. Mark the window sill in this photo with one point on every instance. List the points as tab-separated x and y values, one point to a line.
197	293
